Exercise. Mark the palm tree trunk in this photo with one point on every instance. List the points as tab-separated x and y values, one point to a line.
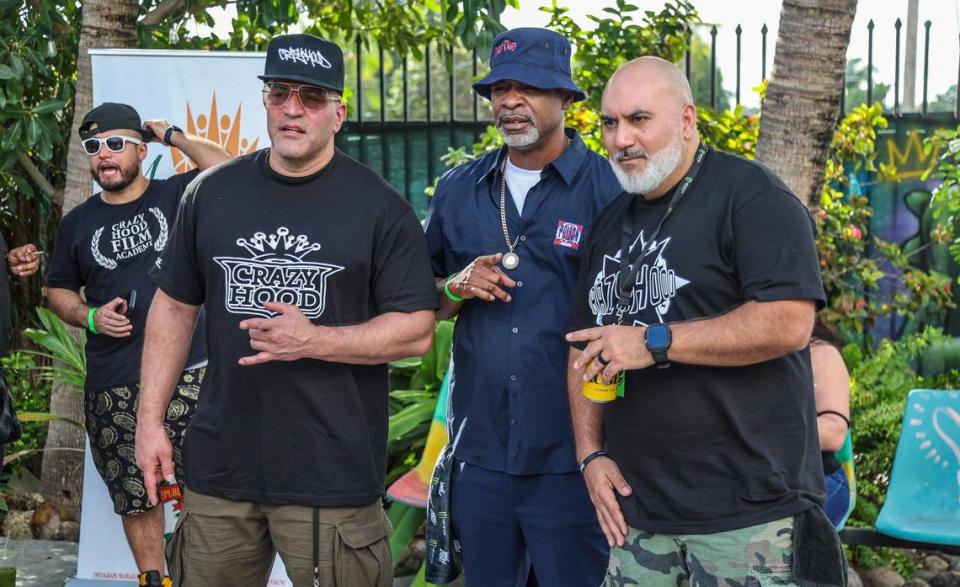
803	96
106	23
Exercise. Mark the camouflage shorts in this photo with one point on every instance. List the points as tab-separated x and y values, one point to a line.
111	419
749	557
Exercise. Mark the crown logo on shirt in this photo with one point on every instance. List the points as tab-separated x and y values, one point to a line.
280	245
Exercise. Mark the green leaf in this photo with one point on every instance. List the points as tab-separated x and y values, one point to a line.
48	106
409	418
5	72
33	132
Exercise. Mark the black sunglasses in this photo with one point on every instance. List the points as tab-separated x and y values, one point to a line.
115	144
276	94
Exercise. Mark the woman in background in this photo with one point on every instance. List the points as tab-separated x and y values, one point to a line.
831	385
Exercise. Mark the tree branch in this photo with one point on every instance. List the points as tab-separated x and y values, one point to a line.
164	9
35	174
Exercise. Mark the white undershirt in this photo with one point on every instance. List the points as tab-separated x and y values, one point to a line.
520	181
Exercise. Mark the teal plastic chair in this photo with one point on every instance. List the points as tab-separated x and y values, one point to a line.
923	499
845	458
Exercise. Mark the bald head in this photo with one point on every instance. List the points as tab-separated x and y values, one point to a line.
659	75
649	125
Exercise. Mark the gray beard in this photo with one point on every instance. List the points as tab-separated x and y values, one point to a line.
659	167
531	136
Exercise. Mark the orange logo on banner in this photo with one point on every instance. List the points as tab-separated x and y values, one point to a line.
220	129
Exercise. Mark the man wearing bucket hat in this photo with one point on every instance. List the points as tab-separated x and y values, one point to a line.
313	274
505	234
106	247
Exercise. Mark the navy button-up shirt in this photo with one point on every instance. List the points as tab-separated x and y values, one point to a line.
509	379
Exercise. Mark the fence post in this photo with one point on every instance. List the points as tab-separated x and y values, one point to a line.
896	76
359	83
429	74
739	31
713	67
870	63
763	51
383	87
406	92
926	62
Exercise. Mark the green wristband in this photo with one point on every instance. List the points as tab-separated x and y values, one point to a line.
90	323
450	294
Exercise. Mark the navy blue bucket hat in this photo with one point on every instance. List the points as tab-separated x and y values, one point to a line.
535	57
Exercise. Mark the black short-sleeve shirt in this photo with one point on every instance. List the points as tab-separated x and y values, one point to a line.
108	250
710	449
344	247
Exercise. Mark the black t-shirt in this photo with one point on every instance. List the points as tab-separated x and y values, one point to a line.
710	449
344	247
109	249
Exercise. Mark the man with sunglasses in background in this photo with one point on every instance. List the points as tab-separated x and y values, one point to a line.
106	247
314	274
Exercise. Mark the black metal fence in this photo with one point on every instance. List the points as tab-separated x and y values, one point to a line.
406	112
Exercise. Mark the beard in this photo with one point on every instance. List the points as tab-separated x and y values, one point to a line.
127	176
658	168
519	140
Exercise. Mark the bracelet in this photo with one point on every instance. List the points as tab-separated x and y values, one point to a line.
450	294
90	324
589	458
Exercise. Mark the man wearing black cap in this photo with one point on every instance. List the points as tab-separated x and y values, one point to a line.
505	234
106	246
313	273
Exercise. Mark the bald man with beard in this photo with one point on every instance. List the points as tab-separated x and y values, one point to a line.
700	283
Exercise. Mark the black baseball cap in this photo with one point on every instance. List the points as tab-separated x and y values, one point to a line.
112	116
304	58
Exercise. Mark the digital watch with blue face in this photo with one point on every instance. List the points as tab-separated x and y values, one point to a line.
658	340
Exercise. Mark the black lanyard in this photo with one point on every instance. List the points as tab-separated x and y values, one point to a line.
629	267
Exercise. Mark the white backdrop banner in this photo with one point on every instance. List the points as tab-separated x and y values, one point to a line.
215	95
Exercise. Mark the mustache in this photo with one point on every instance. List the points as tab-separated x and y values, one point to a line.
630	154
517	114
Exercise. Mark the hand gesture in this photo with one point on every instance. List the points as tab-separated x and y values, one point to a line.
285	337
24	261
482	279
110	320
604	481
616	348
158	128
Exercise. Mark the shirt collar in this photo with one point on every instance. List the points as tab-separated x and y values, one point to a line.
567	164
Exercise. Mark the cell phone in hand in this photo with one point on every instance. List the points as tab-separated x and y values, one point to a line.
131	298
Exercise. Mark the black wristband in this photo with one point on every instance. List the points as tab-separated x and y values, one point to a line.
169	133
587	459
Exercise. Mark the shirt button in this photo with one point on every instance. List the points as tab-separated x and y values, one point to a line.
519	284
515	330
513	420
523	237
513	378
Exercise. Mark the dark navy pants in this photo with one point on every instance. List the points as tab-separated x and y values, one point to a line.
506	523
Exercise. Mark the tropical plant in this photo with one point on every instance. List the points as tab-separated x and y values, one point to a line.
63	349
879	382
854	266
415	385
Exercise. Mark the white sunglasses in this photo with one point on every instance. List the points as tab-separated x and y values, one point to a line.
115	144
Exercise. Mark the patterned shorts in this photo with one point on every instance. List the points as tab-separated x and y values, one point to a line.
111	417
757	556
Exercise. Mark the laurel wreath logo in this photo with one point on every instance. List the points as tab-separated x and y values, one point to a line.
161	241
103	261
